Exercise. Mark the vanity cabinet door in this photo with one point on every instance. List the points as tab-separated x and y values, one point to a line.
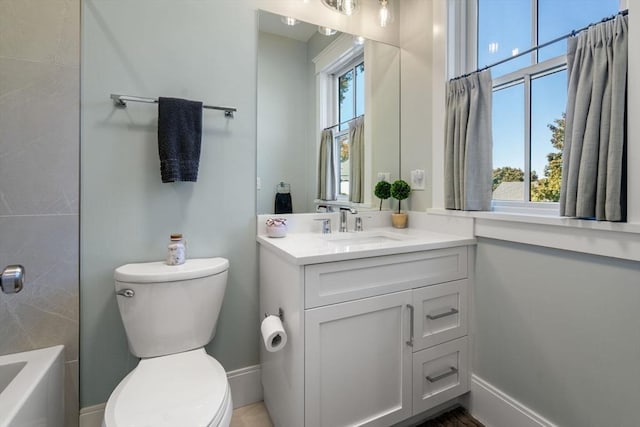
358	363
440	314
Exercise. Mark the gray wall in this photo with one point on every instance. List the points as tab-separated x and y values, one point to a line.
204	50
39	110
416	40
560	332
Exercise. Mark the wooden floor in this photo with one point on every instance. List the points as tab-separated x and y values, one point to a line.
254	415
458	417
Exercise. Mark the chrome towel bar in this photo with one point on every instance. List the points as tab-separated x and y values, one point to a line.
120	101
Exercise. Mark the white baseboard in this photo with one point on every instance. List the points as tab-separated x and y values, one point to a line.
494	408
245	385
92	416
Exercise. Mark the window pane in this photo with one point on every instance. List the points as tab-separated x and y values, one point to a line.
547	135
504	29
556	18
508	143
360	89
343	145
345	98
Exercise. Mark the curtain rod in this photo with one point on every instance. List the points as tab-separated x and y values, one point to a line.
540	46
121	101
341	123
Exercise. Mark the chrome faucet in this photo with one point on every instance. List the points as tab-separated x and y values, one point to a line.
343	217
326	225
327	208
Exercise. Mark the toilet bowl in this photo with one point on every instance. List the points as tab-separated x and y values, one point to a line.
169	314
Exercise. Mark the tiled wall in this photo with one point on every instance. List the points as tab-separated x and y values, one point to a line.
39	178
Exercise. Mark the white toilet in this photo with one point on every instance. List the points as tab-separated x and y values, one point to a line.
170	314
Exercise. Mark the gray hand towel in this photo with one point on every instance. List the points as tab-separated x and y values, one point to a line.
179	138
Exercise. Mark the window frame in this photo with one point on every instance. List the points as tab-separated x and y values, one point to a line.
349	66
340	52
463	58
334	109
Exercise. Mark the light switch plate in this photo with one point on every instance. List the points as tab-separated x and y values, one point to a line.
418	179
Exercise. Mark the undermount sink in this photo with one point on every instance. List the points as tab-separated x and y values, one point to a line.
363	238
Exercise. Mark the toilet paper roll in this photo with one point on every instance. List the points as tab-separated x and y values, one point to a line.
273	334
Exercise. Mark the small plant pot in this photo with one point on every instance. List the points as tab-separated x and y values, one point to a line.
399	220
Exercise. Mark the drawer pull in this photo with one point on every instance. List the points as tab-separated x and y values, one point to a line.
451	371
441	315
410	342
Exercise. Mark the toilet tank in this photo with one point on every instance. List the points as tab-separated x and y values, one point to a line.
173	308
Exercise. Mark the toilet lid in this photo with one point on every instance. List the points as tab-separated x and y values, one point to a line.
160	272
184	389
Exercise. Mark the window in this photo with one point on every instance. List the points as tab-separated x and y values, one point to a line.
349	86
530	91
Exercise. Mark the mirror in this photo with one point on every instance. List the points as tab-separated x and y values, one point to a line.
300	93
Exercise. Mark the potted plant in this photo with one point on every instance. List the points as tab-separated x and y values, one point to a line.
400	190
382	191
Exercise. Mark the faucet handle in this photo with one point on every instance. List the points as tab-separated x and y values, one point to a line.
358	223
326	225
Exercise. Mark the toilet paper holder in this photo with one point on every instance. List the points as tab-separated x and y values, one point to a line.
280	314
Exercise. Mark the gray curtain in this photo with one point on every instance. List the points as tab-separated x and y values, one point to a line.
328	167
356	160
593	176
468	143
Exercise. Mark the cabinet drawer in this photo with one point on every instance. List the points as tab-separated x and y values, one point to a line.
354	279
440	313
440	373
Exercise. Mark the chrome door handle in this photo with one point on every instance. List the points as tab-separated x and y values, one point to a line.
410	342
126	293
445	314
451	371
12	279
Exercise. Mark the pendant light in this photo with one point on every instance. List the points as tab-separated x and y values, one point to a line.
385	15
346	7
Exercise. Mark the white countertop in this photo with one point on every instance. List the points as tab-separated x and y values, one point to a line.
315	248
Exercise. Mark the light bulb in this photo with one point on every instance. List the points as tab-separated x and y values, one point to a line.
289	21
326	31
346	7
349	6
385	13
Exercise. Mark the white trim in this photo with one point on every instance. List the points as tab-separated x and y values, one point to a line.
494	408
442	66
617	240
245	384
92	416
337	54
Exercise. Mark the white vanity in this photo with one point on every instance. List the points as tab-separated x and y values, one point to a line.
376	324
